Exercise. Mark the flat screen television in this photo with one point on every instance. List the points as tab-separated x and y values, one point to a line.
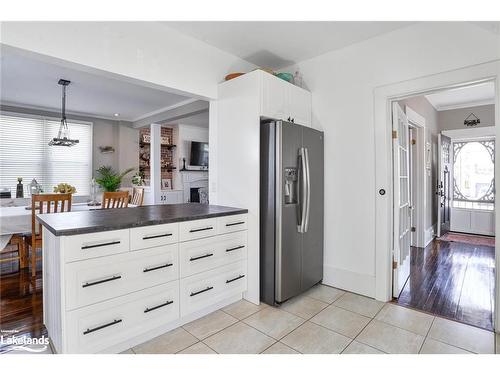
199	154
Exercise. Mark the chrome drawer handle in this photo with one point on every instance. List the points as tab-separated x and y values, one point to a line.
237	223
100	244
235	248
116	321
156	236
148	309
201	291
201	257
236	278
101	281
157	267
200	229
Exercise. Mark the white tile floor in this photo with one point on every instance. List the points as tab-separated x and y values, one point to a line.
323	320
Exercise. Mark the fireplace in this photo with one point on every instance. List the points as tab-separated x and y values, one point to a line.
198	195
195	186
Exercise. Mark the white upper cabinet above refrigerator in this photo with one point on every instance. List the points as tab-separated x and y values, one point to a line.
282	100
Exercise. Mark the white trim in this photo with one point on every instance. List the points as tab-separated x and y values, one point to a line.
164	109
383	95
56	110
414	117
418	122
470	134
34	115
348	280
429	235
464	105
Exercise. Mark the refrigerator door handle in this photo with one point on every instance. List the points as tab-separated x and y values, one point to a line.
308	191
303	190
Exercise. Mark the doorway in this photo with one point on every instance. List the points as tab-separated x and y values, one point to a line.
453	274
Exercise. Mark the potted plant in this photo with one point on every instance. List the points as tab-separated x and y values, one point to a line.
110	180
137	179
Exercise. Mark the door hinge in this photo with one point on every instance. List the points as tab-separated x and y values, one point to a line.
413	229
394	264
413	141
394	134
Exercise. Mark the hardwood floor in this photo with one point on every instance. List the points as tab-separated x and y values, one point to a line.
21	303
453	280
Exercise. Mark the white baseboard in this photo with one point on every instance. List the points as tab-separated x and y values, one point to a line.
429	234
350	281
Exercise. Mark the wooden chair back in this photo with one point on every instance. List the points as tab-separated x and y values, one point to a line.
137	196
116	199
47	204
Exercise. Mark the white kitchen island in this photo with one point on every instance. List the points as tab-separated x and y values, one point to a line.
113	279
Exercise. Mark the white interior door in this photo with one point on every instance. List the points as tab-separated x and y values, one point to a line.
402	207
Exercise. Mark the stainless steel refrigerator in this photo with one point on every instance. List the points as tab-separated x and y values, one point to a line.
291	210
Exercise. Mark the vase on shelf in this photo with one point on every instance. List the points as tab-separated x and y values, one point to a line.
19	188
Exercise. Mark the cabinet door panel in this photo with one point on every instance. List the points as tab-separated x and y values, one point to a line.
299	104
274	97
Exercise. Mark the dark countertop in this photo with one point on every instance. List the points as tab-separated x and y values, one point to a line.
71	223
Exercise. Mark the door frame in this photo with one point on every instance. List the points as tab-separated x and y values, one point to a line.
383	97
417	122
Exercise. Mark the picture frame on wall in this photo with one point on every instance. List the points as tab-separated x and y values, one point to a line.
166	183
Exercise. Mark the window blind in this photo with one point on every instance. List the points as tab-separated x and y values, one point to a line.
24	152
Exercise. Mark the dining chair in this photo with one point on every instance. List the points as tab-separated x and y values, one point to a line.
116	199
137	196
43	204
15	245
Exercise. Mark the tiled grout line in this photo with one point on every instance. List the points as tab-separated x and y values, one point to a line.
426	335
197	342
442	342
309	320
359	333
338	333
288	346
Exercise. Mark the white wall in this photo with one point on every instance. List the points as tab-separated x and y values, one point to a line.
454	118
127	150
342	85
184	134
147	51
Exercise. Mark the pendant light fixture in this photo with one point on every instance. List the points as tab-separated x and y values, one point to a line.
63	138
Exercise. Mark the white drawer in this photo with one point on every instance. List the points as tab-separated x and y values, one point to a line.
97	327
232	223
208	253
192	230
96	280
207	288
93	245
154	235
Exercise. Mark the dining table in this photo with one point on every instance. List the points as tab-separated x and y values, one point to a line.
17	219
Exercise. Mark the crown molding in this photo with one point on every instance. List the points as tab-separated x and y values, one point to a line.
464	105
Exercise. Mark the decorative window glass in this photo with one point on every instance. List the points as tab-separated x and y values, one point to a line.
474	171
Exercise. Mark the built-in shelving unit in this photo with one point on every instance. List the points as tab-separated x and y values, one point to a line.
167	153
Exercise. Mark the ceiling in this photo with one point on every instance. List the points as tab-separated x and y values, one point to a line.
200	119
29	82
470	96
279	44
